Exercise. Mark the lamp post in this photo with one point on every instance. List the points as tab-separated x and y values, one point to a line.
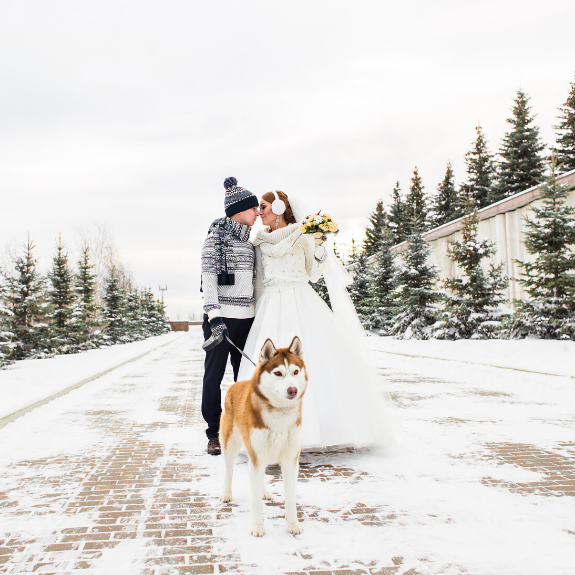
163	289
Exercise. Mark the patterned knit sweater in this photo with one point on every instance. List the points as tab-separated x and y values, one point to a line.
229	300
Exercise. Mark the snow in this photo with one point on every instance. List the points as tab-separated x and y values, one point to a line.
442	518
447	521
553	357
28	381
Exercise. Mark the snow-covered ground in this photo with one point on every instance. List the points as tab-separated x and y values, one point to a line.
26	382
453	498
544	356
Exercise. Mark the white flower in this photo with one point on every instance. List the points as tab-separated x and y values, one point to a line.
318	219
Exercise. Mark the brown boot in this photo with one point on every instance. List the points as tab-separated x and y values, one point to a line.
214	447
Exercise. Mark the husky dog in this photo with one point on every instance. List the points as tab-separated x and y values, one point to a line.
264	413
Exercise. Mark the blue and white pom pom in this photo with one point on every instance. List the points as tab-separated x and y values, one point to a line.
229	182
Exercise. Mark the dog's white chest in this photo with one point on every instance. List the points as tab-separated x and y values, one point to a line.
282	436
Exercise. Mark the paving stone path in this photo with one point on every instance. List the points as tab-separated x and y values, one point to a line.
129	497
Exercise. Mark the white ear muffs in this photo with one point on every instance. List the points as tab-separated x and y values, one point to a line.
278	206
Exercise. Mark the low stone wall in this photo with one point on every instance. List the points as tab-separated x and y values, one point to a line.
180	325
504	224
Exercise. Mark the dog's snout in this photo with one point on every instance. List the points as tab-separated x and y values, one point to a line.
292	392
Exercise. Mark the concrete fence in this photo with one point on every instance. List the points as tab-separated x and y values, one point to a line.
504	224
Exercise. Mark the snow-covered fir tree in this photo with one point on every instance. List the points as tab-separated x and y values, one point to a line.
114	298
6	333
415	291
24	296
415	206
473	298
565	131
373	234
382	285
550	278
161	324
320	286
135	326
480	172
521	165
359	290
61	296
153	314
445	207
337	252
354	251
397	217
84	319
321	290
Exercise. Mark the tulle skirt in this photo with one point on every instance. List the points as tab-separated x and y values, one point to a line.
343	406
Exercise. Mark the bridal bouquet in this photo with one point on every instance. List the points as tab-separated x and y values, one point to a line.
319	224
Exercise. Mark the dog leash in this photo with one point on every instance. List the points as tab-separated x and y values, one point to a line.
241	351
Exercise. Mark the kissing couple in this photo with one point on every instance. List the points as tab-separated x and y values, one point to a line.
259	289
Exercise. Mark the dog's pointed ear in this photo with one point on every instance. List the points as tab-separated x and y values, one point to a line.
296	347
268	351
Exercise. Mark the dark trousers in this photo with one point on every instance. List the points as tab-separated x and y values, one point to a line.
215	366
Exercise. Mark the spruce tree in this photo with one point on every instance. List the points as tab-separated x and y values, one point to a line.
445	207
6	333
480	171
415	290
550	278
566	134
114	298
382	285
337	252
359	290
521	165
148	312
161	324
320	286
397	216
61	296
24	296
373	234
471	306
415	206
136	326
321	290
84	320
354	251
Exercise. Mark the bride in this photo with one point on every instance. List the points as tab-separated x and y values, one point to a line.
341	407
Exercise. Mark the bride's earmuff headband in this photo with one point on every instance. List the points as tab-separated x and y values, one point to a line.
278	206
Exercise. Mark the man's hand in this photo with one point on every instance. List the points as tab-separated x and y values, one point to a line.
218	326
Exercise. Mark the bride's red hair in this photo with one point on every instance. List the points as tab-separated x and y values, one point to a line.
288	214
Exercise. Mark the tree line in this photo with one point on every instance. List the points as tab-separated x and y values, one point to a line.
519	166
63	311
405	299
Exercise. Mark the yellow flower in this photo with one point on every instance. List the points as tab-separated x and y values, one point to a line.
327	216
333	227
324	227
302	228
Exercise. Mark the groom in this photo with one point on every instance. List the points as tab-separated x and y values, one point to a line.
227	285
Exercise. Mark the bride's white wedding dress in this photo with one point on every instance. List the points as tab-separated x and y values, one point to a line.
341	407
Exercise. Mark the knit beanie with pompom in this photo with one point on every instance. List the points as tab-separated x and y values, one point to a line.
237	199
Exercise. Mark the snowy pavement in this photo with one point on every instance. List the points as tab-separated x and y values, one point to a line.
113	478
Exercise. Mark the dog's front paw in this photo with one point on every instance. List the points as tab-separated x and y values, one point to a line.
295	528
258	530
226	496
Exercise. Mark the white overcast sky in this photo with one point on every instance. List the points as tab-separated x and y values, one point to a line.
134	112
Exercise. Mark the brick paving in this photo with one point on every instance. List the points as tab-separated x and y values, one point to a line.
133	499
